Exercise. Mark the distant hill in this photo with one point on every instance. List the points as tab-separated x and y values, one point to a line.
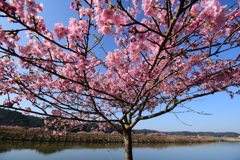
14	118
211	134
188	133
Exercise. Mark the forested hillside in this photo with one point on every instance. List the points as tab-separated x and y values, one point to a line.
14	118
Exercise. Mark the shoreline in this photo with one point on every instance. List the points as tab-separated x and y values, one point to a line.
47	136
231	139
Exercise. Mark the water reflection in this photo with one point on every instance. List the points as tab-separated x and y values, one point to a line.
10	150
47	148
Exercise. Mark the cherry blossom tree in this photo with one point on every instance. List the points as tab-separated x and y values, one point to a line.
168	52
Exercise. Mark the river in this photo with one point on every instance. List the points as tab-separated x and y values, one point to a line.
75	151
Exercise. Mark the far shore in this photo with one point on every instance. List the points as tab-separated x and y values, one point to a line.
232	139
27	135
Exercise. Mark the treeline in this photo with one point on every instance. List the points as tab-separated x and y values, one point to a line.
202	134
188	133
14	118
144	131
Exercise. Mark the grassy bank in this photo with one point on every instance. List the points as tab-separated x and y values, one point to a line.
232	139
47	136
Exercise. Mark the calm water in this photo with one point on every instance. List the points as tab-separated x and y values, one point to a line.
69	151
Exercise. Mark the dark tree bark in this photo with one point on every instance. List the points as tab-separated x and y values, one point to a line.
127	137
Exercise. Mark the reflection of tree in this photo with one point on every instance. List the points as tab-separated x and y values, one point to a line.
48	151
47	148
3	150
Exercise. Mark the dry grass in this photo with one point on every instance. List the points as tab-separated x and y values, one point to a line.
232	139
26	135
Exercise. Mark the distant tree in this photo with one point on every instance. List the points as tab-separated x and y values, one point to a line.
144	131
168	52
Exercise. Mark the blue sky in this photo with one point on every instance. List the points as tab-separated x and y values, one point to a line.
224	111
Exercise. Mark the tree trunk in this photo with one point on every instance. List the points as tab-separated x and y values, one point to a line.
128	144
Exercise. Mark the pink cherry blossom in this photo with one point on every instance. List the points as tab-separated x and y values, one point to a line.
60	31
195	9
105	30
107	14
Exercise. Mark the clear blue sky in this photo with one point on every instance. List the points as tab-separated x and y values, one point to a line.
225	111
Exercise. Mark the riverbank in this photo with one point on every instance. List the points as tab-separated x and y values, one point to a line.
232	139
47	136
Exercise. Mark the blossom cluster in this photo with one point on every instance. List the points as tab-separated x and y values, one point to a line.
156	134
28	15
97	132
11	127
115	132
36	129
215	16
